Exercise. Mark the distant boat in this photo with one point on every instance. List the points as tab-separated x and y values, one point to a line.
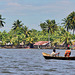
47	56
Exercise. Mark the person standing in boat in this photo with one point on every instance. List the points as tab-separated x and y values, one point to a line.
67	52
53	54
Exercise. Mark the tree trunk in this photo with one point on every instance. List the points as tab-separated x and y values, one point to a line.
73	31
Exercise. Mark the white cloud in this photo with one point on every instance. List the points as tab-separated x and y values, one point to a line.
15	6
18	8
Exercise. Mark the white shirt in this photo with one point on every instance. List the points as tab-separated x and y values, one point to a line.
53	54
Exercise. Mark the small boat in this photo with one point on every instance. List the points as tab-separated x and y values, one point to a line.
47	56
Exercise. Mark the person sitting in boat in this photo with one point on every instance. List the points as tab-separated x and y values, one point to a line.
53	54
67	52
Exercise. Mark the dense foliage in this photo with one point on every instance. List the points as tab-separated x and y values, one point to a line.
50	32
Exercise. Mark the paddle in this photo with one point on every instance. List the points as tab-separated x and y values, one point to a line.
57	54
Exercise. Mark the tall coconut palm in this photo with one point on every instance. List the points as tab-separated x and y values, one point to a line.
66	23
54	26
43	26
67	38
50	26
17	24
72	20
1	21
26	32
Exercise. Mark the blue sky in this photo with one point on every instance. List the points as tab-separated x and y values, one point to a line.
34	12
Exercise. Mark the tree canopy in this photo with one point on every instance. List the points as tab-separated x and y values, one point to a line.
50	31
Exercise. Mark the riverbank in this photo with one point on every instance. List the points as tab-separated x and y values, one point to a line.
34	48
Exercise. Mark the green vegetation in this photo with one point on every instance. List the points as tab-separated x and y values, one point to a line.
50	32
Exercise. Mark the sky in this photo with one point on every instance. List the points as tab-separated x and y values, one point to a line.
34	12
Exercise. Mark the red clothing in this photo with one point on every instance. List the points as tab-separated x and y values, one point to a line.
67	53
68	45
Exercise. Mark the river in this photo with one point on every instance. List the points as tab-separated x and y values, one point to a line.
31	62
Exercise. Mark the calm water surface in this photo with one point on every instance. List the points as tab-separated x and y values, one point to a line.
31	62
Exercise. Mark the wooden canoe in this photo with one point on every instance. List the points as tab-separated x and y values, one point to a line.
47	56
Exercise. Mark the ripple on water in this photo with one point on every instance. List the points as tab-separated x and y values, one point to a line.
5	71
50	70
31	62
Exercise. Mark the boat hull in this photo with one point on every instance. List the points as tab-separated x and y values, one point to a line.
47	56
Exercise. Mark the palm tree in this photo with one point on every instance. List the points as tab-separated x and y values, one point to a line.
61	32
72	20
1	21
67	23
67	38
50	26
26	32
43	26
17	24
